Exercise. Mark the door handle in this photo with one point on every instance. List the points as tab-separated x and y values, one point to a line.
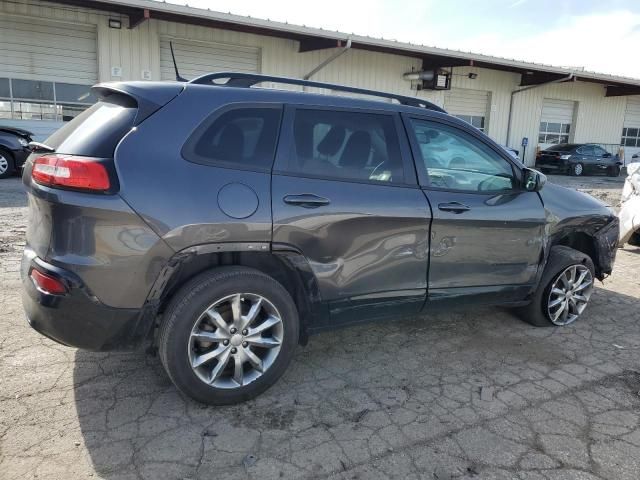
306	200
454	207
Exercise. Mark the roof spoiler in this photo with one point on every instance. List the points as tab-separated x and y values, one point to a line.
149	96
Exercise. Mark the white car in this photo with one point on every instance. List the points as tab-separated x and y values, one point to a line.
630	206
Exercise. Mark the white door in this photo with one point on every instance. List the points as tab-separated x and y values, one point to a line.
35	49
196	58
556	122
631	130
47	68
469	105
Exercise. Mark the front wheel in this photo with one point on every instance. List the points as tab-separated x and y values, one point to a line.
7	165
577	169
228	335
564	290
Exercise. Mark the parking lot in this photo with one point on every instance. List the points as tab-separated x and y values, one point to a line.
467	394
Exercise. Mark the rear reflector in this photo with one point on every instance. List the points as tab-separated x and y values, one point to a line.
70	171
47	283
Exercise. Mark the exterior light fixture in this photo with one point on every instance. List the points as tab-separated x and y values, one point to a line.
115	23
473	76
437	79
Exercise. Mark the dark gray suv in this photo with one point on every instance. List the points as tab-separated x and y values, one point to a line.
223	224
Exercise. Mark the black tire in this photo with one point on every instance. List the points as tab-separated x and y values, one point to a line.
576	169
560	258
614	171
189	303
11	168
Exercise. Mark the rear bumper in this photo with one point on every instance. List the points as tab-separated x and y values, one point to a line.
555	165
77	319
20	156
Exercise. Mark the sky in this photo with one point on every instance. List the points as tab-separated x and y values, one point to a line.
602	36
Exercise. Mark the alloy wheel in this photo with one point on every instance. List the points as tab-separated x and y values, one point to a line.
235	340
577	169
4	164
569	294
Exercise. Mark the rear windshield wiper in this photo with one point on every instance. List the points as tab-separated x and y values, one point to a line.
37	147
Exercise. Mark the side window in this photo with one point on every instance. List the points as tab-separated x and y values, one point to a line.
242	137
352	146
455	160
599	151
586	150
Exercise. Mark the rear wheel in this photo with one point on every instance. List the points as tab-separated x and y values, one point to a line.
228	335
564	290
577	169
614	171
7	165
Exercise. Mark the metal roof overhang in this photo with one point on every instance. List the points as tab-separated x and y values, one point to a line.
311	39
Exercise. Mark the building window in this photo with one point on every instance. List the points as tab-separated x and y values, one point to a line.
630	137
38	100
475	120
554	133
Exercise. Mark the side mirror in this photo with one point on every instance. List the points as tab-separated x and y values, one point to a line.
606	155
533	180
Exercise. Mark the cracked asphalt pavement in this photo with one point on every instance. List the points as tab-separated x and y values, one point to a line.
467	394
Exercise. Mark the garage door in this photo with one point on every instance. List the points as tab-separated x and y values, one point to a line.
46	69
469	105
555	122
631	129
35	49
199	58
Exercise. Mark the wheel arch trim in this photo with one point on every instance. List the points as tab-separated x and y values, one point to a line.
285	264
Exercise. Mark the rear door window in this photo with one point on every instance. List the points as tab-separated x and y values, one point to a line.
239	138
346	145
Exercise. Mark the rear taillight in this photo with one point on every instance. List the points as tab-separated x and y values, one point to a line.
71	172
47	283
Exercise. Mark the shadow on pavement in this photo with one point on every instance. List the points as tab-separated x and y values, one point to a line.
349	397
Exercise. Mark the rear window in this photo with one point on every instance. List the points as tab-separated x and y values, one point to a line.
238	138
97	131
563	147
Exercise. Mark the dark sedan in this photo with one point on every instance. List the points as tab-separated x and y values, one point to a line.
578	159
13	149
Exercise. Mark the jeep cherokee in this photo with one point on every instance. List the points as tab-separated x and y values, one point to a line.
222	224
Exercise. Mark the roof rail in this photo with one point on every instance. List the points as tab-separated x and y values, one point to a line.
246	80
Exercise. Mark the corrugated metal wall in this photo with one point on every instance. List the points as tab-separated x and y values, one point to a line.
197	58
599	119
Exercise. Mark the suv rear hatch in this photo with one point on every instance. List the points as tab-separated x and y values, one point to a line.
77	220
79	156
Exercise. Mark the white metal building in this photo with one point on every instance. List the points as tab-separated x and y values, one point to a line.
51	52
